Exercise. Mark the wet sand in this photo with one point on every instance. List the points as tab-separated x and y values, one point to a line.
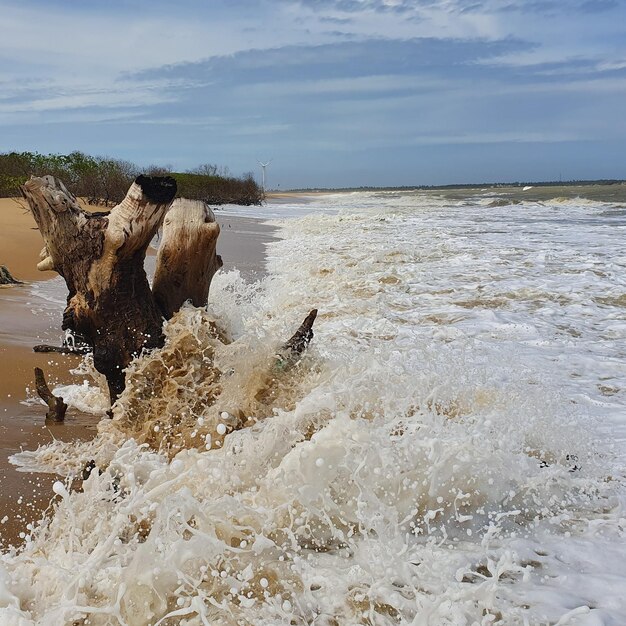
25	320
20	241
241	244
22	495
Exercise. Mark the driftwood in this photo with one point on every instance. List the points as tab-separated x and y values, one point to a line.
111	310
80	349
101	256
6	278
293	349
187	259
56	406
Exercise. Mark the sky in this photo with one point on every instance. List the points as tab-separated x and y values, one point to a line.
336	93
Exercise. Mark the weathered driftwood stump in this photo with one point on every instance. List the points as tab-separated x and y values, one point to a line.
101	257
187	258
111	309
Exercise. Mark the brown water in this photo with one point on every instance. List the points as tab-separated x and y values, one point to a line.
22	426
24	495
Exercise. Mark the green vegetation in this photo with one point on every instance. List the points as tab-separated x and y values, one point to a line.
218	189
104	181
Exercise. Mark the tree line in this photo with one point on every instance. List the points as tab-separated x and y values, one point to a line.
104	181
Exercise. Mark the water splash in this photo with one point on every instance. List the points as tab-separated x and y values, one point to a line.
427	462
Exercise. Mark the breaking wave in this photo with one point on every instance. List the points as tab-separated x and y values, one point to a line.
432	459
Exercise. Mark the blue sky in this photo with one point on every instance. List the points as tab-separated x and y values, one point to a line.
335	92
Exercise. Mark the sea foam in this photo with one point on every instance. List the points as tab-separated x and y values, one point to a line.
448	451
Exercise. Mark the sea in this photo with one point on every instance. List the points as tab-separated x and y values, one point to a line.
450	450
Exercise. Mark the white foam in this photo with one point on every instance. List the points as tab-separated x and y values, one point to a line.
85	397
450	450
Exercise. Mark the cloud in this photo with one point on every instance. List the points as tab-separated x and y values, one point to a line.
598	6
324	82
420	7
335	20
377	92
347	59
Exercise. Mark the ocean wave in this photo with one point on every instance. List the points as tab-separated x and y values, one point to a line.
426	462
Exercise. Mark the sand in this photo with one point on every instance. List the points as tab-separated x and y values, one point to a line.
24	322
20	241
241	244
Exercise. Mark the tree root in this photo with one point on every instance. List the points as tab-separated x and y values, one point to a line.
292	350
56	406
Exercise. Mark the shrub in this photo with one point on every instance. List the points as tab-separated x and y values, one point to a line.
102	180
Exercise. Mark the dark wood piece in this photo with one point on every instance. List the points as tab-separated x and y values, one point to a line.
62	349
56	406
6	278
293	349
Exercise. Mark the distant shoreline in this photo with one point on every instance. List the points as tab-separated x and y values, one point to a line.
453	186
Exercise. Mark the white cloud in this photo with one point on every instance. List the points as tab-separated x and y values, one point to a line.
78	57
275	82
59	101
463	138
373	84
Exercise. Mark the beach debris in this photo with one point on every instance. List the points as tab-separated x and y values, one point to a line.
89	467
72	344
101	257
56	406
288	355
186	260
79	349
6	278
572	458
292	350
111	309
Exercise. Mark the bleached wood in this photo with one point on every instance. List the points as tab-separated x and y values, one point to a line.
187	258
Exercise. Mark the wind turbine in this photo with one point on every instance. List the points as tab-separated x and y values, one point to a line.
263	166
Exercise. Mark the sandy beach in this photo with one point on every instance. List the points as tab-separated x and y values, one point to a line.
26	320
